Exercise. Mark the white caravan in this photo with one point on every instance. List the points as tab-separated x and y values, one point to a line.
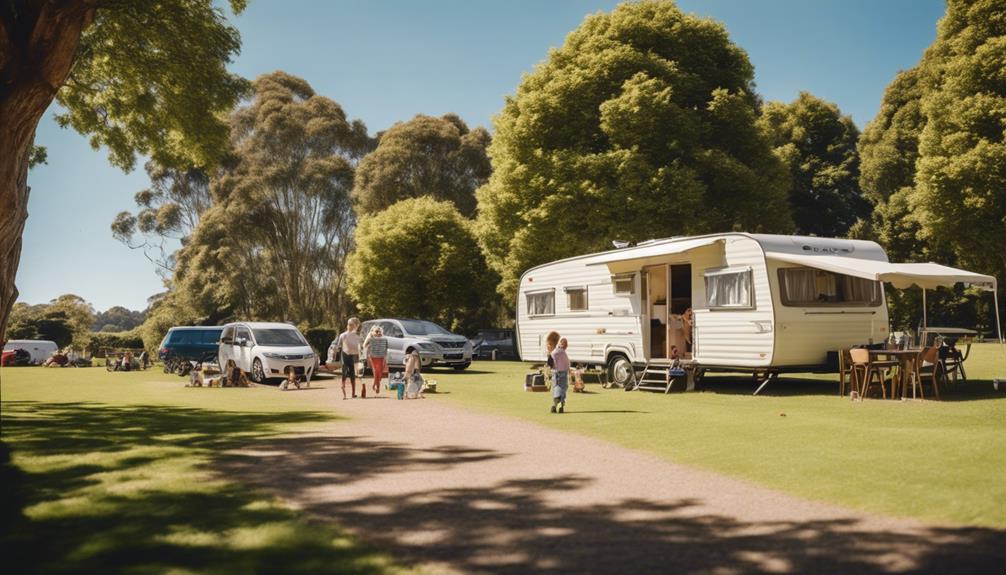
40	349
760	303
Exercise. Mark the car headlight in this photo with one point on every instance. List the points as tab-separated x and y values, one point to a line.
427	346
271	355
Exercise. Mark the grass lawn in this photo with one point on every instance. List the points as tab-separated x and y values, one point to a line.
110	474
938	461
110	471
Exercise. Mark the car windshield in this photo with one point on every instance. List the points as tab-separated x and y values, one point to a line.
279	337
420	327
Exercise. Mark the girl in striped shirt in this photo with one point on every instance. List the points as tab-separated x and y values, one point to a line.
376	347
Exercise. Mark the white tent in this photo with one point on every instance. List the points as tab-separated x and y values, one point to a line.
925	276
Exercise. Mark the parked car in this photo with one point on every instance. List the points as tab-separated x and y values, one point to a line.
185	344
265	350
494	344
436	345
15	357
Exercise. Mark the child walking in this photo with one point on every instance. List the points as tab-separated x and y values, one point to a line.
560	376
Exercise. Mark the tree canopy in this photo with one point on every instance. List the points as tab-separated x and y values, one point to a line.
64	320
273	245
818	144
426	156
643	124
138	77
168	211
961	179
419	258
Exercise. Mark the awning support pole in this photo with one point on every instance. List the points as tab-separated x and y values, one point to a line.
924	324
999	329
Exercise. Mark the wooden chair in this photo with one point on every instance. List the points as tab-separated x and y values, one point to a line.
928	366
863	372
953	362
845	372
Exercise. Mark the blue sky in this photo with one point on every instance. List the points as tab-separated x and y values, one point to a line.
387	60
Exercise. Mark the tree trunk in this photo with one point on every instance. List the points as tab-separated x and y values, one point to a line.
38	45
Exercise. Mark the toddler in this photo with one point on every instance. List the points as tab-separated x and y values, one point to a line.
560	376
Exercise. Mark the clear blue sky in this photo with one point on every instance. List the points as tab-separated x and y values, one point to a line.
387	60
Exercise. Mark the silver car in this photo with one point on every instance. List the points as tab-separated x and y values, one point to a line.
436	345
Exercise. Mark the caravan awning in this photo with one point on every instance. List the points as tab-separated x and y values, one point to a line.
926	276
653	250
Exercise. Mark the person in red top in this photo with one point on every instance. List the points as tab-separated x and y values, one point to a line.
560	376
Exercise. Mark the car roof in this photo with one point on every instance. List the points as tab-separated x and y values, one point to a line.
263	325
193	327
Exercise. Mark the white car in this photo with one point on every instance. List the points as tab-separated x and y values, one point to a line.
265	350
436	345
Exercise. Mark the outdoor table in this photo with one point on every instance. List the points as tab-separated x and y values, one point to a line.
907	364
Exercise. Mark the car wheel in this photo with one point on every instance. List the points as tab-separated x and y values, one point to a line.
257	372
462	367
620	370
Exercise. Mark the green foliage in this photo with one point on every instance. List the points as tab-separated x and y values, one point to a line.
320	338
117	318
961	182
39	155
131	339
274	243
151	78
819	145
168	211
65	320
643	124
419	258
167	312
426	156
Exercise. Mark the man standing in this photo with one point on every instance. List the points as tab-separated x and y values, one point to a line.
346	348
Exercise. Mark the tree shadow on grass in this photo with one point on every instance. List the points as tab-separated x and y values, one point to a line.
517	525
115	489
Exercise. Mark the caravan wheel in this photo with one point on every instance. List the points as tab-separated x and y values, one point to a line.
620	372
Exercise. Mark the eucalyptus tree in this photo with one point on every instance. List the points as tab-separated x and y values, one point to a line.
275	240
426	156
137	77
167	213
643	124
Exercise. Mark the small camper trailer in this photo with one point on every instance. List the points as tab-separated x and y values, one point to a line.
40	349
734	301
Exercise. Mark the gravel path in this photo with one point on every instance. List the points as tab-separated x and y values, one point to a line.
462	492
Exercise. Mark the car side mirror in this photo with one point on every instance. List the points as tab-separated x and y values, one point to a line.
242	341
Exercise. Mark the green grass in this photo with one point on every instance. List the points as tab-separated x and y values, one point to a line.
113	471
110	473
938	461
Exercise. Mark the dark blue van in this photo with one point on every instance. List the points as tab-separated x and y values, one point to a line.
190	343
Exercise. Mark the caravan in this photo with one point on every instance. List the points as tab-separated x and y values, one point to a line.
735	301
39	349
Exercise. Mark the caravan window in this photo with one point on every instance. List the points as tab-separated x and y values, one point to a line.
809	287
624	284
576	298
541	303
729	288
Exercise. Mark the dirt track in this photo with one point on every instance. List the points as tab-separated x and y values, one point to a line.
462	492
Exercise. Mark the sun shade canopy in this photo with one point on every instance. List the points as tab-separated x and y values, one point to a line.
656	249
928	275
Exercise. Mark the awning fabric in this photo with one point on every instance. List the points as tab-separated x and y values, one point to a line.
658	249
928	275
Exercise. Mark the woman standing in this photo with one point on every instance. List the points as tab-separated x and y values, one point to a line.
376	348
